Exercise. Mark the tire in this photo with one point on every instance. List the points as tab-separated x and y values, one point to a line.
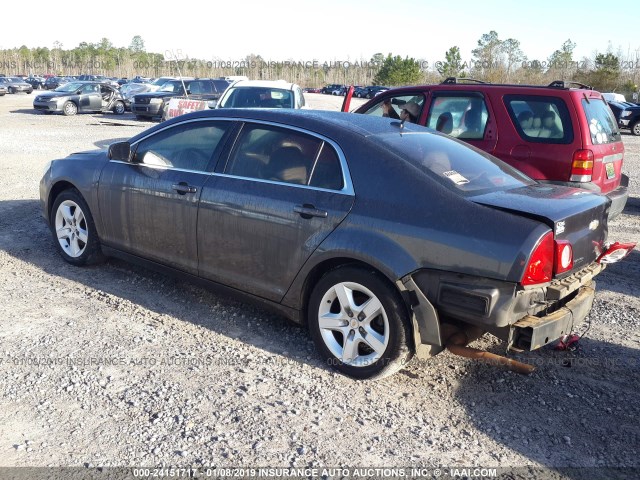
635	128
29	92
74	230
119	108
69	108
379	341
11	90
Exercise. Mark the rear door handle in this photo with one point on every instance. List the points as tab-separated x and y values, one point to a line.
183	188
308	211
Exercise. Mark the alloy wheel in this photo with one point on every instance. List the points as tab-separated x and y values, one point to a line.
353	324
71	228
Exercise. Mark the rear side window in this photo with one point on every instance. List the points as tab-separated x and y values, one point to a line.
602	123
540	119
281	155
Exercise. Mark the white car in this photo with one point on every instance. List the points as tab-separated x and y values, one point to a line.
262	94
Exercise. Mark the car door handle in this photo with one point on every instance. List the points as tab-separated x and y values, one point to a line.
308	211
183	188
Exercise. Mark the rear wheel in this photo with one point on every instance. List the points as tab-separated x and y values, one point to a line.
635	128
69	108
359	323
11	90
73	229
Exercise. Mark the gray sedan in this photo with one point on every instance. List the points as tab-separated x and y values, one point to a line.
75	97
15	85
386	239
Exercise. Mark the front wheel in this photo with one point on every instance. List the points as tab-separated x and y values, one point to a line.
11	90
635	128
73	229
359	323
69	109
119	108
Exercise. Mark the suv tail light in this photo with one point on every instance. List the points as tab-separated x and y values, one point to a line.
582	166
549	257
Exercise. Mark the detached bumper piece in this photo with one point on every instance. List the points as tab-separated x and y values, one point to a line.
533	332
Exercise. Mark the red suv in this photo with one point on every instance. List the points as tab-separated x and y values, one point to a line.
554	134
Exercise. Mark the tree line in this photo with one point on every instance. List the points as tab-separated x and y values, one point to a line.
493	60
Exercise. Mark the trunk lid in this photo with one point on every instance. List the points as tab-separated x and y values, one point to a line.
574	215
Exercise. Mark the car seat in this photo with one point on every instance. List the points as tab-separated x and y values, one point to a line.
287	164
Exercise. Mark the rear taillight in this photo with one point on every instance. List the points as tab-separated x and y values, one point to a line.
564	257
616	252
582	166
548	258
540	266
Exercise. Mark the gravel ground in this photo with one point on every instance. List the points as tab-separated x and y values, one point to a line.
191	378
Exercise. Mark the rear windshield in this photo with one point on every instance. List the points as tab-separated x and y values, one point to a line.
257	97
602	123
454	164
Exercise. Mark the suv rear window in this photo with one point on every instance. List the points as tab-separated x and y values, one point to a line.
454	164
602	123
540	119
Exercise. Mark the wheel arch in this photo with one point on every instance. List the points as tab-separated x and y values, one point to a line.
56	189
325	266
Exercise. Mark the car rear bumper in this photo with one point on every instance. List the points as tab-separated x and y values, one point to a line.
527	318
532	332
619	198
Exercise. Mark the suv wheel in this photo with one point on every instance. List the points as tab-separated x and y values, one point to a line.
359	324
635	128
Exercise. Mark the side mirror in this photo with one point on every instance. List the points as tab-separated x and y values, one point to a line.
120	151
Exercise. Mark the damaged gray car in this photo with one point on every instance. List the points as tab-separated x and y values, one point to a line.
81	97
386	239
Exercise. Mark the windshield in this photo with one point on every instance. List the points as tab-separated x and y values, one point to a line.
257	97
16	79
454	164
159	81
175	86
69	87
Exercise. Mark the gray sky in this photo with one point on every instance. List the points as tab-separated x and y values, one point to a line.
323	30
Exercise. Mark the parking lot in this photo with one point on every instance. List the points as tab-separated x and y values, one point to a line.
116	365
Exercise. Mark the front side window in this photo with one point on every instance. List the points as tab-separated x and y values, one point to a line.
462	116
393	107
281	155
188	146
540	119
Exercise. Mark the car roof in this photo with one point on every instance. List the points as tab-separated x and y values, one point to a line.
330	124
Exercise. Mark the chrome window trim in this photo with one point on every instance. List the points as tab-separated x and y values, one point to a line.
347	187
